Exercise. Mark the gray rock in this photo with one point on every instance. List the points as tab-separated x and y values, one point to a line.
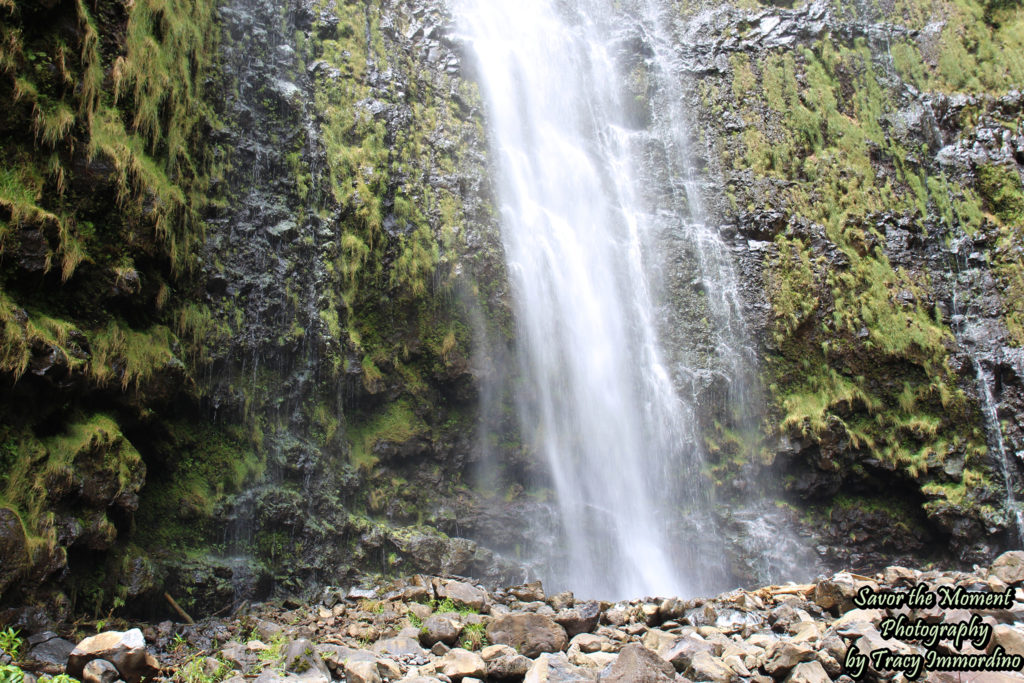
99	671
301	657
399	645
49	649
556	668
582	618
438	629
808	672
637	664
706	667
784	655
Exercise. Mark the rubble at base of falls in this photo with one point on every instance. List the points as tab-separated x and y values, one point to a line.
430	628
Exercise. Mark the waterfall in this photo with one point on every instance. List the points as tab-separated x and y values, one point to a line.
583	217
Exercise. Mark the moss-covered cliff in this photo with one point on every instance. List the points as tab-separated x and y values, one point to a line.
869	159
254	304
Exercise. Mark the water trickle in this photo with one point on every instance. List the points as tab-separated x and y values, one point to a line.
584	212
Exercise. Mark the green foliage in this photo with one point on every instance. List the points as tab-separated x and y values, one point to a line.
11	674
474	637
397	423
447	605
11	643
861	353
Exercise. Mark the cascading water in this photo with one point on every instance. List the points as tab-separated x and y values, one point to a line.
579	221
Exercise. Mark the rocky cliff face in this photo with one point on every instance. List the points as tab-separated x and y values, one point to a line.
866	166
255	312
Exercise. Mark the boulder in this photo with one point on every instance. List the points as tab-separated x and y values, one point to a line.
784	655
438	629
458	664
637	664
126	650
528	592
361	672
707	667
556	668
1009	567
301	657
49	651
808	672
530	634
582	618
397	646
504	663
463	595
683	651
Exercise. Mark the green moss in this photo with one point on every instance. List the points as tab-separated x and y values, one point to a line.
397	423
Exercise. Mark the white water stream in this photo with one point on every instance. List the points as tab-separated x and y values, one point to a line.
578	224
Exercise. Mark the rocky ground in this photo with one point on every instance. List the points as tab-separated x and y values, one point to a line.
428	628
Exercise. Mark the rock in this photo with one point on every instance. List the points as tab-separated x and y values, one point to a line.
582	618
530	634
459	663
556	668
808	672
438	629
50	650
14	557
1010	637
588	642
683	651
836	594
563	600
706	667
126	650
503	662
238	656
398	646
528	592
637	664
1009	567
301	657
99	671
463	595
784	655
361	672
439	649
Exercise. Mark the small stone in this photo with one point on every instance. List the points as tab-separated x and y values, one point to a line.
99	671
706	667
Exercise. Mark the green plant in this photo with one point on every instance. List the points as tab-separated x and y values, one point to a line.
10	642
414	620
447	605
11	674
59	678
474	637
